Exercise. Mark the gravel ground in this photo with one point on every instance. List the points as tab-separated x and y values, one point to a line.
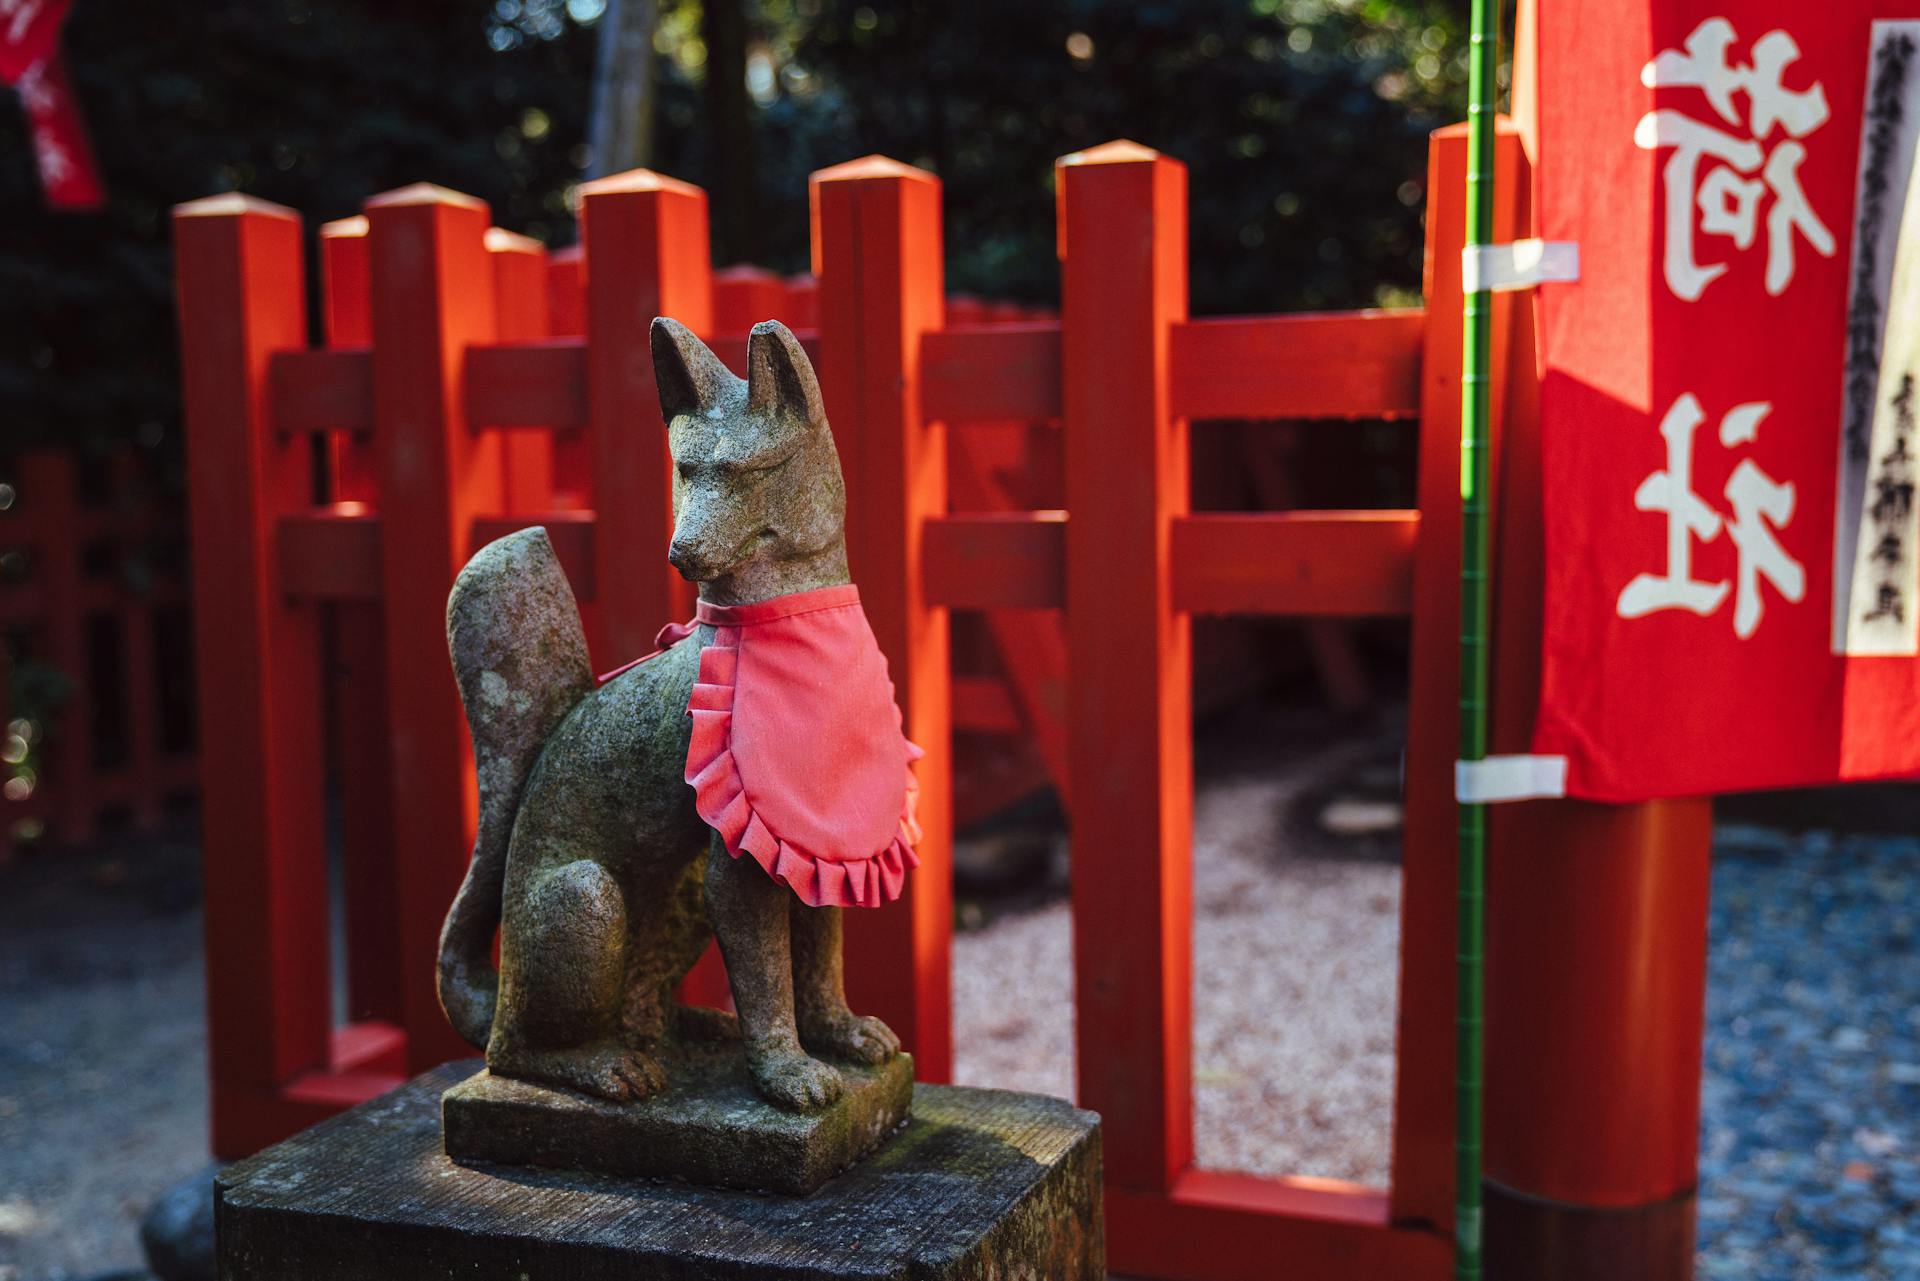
1810	1135
1811	1129
1284	1082
103	1068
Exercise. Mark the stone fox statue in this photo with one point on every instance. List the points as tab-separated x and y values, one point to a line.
613	817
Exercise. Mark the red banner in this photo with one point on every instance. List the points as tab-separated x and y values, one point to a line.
1729	394
29	31
30	61
67	173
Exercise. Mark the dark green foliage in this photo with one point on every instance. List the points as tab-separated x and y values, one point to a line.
1303	122
315	105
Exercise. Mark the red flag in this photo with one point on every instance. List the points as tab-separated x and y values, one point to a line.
29	29
67	172
30	61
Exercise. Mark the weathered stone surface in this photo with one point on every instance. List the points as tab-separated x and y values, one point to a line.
588	861
980	1183
707	1127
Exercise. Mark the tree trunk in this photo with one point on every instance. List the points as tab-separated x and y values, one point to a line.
623	88
731	162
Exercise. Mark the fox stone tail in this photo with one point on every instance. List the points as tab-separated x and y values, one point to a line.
520	658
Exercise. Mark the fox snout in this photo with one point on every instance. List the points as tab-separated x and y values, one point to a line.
691	561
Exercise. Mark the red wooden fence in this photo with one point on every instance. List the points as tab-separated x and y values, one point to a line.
99	599
429	370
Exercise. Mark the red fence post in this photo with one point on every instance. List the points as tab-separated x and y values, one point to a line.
357	708
432	296
1123	248
520	313
646	255
1596	914
1422	1183
346	305
241	296
877	225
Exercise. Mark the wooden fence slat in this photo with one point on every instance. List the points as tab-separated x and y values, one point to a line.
432	298
877	226
993	373
1228	1227
331	554
1295	564
528	384
322	391
990	464
1357	364
984	705
997	560
647	255
1123	238
241	298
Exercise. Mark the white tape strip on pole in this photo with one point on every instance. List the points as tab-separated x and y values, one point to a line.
1520	265
1509	778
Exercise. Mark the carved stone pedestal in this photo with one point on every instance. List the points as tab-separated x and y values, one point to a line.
708	1127
978	1183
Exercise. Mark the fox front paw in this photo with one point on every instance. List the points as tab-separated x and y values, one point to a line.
790	1079
845	1035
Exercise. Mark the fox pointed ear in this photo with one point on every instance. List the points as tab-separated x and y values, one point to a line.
779	375
688	376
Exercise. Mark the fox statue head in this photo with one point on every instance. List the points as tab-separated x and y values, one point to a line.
759	506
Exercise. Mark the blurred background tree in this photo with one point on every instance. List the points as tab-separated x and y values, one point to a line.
1303	122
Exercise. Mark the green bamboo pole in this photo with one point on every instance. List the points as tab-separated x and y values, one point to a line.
1476	359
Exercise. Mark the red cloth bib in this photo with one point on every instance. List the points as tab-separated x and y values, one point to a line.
797	758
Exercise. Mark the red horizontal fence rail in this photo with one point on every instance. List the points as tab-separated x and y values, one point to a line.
432	367
96	589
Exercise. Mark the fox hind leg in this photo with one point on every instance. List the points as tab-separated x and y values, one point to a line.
666	935
559	1021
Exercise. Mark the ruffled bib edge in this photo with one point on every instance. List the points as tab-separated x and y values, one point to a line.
720	797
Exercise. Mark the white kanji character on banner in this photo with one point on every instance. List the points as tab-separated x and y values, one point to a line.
1740	173
1761	505
1688	518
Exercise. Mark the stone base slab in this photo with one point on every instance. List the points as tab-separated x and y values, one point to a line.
979	1183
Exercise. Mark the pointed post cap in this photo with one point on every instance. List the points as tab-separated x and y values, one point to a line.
861	170
501	241
232	204
1119	151
344	228
637	180
425	193
874	166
